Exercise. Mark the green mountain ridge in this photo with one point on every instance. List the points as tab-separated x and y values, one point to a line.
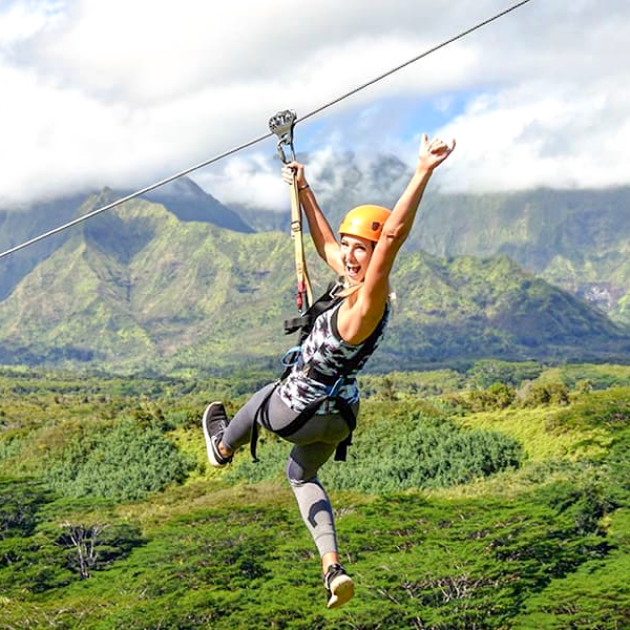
577	239
186	200
19	226
139	289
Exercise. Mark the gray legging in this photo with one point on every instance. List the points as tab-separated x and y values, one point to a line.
314	443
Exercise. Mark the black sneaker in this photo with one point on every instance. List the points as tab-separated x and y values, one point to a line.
215	422
339	585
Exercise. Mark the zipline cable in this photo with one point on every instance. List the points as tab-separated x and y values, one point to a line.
246	145
138	193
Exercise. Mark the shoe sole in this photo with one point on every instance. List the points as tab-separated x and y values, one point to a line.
342	589
206	434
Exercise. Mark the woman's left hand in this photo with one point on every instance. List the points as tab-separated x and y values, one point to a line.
294	169
433	153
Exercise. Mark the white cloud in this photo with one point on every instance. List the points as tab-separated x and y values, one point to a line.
521	139
252	180
338	178
20	21
124	93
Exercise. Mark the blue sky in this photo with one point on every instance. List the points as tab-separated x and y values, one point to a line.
409	115
123	93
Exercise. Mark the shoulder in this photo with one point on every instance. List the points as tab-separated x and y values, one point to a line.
359	316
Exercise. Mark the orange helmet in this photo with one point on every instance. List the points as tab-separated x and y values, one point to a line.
365	221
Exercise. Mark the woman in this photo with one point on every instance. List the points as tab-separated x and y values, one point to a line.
340	342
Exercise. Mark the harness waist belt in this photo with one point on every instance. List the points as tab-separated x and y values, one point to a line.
320	377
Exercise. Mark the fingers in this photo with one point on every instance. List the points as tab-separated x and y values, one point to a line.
435	145
438	147
288	173
434	152
446	148
293	171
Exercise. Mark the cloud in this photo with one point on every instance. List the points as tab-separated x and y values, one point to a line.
340	179
125	93
253	181
21	21
521	138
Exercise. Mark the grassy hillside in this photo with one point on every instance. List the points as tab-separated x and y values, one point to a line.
575	239
516	516
183	197
140	290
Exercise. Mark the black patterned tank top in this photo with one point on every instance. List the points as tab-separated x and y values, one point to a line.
329	354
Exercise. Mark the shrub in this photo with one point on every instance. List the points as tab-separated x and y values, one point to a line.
497	396
609	409
408	451
427	455
20	500
538	394
125	464
488	371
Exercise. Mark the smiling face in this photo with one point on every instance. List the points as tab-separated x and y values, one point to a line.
356	253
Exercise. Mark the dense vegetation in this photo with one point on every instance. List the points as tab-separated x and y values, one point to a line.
496	497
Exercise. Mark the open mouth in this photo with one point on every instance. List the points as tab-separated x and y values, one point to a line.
353	270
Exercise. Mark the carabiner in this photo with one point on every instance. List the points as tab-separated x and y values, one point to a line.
334	390
291	356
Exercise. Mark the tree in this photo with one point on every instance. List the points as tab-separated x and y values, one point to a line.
83	541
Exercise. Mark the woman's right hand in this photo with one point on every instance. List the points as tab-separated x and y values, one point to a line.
433	153
294	167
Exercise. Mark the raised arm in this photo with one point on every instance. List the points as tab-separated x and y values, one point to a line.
373	295
322	234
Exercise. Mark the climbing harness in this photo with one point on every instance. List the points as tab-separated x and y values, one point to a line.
245	145
304	323
303	417
282	125
365	221
333	383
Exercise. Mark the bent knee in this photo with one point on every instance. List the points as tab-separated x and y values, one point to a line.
298	475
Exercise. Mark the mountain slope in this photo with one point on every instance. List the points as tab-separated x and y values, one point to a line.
18	226
183	198
576	239
136	288
187	201
131	284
